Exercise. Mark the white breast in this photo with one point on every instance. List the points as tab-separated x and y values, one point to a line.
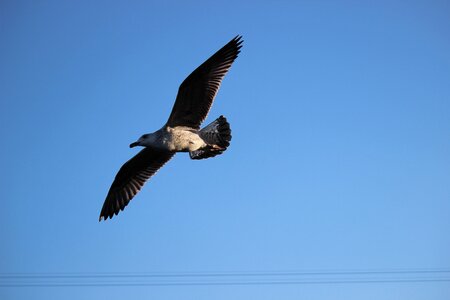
182	139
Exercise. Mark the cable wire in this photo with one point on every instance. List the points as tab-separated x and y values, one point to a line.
296	277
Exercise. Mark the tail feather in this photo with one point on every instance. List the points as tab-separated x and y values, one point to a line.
217	135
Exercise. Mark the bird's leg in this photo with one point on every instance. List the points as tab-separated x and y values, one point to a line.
216	148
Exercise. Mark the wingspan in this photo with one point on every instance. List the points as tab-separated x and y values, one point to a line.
130	179
196	93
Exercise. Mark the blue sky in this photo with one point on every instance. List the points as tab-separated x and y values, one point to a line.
340	158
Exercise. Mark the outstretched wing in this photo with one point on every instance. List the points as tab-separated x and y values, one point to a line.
196	93
130	179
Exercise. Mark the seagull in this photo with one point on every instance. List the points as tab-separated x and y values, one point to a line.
181	133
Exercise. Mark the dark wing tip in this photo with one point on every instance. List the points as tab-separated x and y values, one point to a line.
130	179
116	201
232	48
104	216
239	38
238	41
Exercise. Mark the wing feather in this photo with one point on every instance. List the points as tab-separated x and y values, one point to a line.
197	92
130	179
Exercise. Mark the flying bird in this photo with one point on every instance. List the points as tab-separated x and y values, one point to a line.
181	133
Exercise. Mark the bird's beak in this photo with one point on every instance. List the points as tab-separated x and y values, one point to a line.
134	144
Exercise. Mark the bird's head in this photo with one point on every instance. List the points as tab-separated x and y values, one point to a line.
144	140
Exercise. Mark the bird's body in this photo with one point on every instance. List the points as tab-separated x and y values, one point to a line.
176	139
181	133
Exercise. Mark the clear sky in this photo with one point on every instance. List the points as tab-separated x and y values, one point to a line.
340	158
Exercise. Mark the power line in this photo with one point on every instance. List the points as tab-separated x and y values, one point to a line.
130	284
217	274
296	277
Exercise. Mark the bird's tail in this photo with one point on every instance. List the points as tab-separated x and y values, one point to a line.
217	135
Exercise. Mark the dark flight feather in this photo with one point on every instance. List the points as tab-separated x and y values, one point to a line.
196	93
130	179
